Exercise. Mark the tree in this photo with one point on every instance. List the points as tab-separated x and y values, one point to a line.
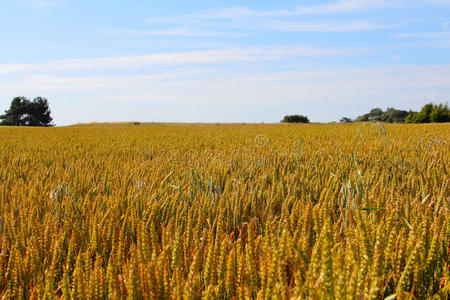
391	115
345	120
24	112
424	114
430	113
295	119
440	114
374	115
412	117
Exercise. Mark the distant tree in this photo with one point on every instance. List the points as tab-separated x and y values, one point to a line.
430	113
345	120
440	114
412	117
295	119
374	115
424	114
24	112
391	115
16	112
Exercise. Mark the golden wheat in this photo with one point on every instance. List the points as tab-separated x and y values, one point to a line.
249	212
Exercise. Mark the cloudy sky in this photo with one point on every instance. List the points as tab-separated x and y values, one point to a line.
223	61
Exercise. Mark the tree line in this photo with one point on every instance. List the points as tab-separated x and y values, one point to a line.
430	113
36	112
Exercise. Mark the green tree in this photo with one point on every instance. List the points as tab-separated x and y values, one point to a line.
295	119
24	112
374	115
440	114
412	117
430	113
345	120
391	115
15	114
424	114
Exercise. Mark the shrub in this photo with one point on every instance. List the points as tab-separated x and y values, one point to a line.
345	120
391	115
295	119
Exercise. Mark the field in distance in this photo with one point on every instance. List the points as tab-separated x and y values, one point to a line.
351	211
159	124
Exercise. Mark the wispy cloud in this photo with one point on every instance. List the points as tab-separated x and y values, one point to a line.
271	24
425	35
339	7
343	6
215	56
324	26
179	31
286	19
228	94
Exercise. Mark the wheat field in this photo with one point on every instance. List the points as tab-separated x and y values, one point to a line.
317	211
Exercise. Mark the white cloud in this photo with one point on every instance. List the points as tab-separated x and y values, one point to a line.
345	26
283	19
342	6
179	31
236	96
340	79
272	24
425	35
244	18
227	55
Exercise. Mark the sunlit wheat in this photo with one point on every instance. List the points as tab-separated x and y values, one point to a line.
250	212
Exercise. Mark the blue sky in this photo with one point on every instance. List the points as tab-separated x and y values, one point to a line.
224	61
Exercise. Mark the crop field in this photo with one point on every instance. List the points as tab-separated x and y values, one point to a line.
335	211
